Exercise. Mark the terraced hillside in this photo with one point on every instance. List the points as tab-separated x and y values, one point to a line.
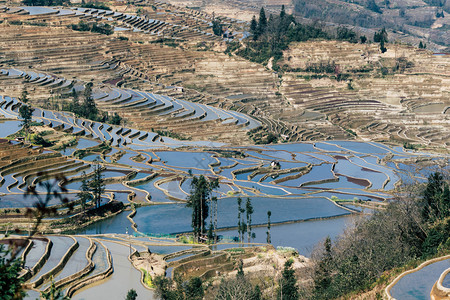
191	106
408	21
402	95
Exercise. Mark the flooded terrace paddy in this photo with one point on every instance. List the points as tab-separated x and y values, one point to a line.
418	285
296	182
124	278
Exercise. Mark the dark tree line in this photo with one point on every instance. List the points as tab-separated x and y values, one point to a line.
102	28
272	35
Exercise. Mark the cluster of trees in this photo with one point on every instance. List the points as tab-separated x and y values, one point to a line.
87	107
96	5
203	204
217	27
177	289
239	287
92	189
102	28
245	225
413	227
270	36
382	38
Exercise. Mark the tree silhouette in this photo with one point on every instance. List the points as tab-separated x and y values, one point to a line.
200	195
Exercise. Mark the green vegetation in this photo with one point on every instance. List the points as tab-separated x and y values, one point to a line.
249	211
177	289
288	289
171	134
96	5
25	112
410	146
10	283
97	185
382	38
88	109
131	295
217	27
261	136
201	190
39	140
54	293
241	223
102	28
272	36
147	278
239	287
411	228
101	148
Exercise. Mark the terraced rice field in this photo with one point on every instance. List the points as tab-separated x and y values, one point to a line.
299	191
164	72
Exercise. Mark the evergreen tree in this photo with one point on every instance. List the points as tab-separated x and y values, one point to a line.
436	198
322	276
75	104
217	27
249	209
239	202
131	295
214	203
243	226
97	184
84	194
382	38
116	119
240	271
201	190
254	28
25	112
89	108
282	12
288	289
268	239
262	24
194	289
24	96
257	295
422	45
